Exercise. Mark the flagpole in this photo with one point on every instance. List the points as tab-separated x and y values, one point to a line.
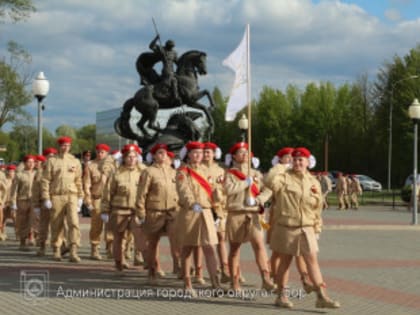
248	96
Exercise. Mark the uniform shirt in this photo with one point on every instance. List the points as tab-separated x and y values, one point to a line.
341	185
22	186
120	194
36	189
216	178
237	190
9	184
97	173
3	189
62	176
157	190
190	191
297	199
354	187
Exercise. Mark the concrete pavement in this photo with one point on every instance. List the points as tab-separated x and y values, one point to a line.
370	260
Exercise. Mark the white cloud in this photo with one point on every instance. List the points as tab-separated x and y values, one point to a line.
88	48
393	14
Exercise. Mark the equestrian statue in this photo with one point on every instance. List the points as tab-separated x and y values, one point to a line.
173	88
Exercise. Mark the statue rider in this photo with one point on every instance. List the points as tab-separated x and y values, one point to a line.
169	57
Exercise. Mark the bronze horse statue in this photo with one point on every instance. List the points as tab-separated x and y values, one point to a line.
152	97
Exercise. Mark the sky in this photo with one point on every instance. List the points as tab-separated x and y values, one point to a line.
88	49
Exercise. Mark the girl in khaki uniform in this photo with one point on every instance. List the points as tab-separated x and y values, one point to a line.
157	205
211	153
245	197
195	220
21	195
297	205
7	210
118	204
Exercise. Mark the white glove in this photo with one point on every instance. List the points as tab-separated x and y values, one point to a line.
48	204
251	202
249	180
217	222
138	221
13	207
105	217
197	207
37	211
176	163
317	236
80	202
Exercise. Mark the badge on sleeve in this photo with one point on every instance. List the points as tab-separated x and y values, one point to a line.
180	176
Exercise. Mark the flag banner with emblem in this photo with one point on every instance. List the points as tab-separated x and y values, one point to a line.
238	61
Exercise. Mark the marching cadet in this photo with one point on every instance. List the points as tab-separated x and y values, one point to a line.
354	191
284	157
196	219
62	193
96	175
21	195
246	196
297	218
3	191
118	204
211	153
157	205
36	204
7	211
326	187
342	191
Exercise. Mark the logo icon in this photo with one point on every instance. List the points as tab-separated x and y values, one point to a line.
34	285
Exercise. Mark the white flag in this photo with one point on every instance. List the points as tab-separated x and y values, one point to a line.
238	61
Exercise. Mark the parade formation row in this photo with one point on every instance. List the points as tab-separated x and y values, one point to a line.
199	205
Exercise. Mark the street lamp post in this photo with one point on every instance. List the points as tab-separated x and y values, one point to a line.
390	126
40	88
414	113
243	126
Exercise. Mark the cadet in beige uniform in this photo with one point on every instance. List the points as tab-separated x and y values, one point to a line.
211	153
7	211
157	205
96	174
195	220
3	191
297	218
21	195
342	191
326	187
63	194
41	221
118	204
354	191
246	196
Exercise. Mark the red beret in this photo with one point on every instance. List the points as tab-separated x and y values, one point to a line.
192	145
49	151
158	146
130	147
170	154
11	167
102	147
238	146
284	151
63	140
301	152
210	145
41	158
29	157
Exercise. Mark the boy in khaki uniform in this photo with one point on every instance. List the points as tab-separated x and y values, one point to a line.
21	199
157	205
342	192
7	211
63	195
118	204
354	191
96	175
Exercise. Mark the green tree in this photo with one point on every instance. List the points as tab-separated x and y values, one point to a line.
14	76
15	10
